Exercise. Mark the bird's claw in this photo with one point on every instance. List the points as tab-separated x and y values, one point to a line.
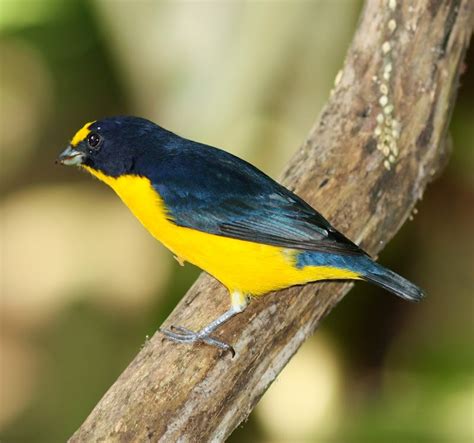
183	331
183	335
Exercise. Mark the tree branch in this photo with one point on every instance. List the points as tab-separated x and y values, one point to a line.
378	142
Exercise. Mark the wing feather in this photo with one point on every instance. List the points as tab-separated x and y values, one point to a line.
227	196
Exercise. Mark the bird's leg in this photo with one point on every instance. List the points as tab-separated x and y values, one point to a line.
239	302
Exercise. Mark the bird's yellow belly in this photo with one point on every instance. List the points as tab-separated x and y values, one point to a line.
251	268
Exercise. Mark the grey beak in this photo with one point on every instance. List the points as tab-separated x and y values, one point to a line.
71	156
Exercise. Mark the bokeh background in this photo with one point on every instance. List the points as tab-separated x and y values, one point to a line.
83	284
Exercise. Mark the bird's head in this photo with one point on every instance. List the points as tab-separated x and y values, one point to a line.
113	145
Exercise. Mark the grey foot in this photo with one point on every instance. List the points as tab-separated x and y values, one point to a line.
183	335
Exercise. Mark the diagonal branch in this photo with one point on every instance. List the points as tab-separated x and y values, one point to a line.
378	142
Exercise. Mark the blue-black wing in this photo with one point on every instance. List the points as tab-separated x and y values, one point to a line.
210	190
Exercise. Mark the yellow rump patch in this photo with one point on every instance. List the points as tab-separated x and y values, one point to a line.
81	134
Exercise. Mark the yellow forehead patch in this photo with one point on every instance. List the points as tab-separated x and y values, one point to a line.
81	134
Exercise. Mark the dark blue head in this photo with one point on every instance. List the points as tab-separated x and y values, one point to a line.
113	145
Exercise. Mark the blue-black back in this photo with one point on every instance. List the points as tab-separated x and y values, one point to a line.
211	190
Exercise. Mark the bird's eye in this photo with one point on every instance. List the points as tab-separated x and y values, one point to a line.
93	140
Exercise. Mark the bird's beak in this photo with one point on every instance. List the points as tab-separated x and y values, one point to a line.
71	156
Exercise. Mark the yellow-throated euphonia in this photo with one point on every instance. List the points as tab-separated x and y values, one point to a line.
222	214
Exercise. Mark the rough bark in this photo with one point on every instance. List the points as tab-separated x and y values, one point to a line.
393	97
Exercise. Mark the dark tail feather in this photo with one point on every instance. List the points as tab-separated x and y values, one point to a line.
394	283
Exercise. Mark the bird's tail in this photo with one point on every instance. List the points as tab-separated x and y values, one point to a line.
393	282
366	269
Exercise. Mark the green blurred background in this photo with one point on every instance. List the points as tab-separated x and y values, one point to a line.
82	283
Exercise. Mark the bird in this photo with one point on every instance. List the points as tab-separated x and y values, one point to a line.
222	214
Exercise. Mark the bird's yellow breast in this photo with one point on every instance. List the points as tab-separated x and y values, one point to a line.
251	268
